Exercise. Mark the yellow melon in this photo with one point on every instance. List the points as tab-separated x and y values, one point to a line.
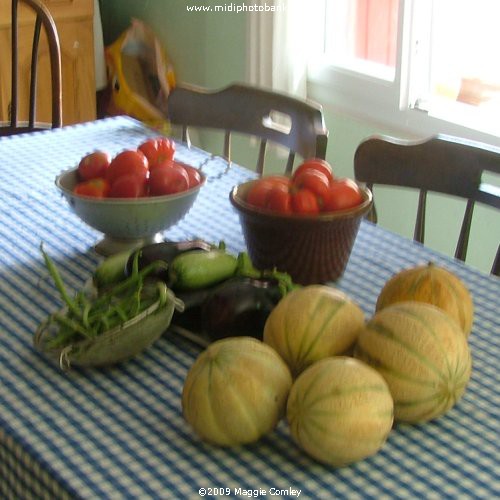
422	354
312	323
236	391
434	285
340	411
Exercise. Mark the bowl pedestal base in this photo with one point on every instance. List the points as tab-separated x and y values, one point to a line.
109	245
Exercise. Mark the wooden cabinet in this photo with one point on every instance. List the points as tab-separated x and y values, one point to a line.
74	21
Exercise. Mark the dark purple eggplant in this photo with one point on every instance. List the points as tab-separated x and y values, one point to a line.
165	251
190	317
239	307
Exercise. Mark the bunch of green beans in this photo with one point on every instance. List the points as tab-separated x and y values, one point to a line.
86	317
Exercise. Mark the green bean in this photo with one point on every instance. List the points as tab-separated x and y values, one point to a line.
121	313
59	282
74	325
131	280
135	263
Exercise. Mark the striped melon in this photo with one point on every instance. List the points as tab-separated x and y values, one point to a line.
312	323
422	354
340	411
236	391
434	285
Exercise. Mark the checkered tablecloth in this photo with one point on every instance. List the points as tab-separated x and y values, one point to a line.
119	433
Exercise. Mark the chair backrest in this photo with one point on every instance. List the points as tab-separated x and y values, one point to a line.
273	117
40	18
442	164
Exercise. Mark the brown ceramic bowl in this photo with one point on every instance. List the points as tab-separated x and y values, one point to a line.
312	249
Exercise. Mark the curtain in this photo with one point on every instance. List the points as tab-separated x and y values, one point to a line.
282	34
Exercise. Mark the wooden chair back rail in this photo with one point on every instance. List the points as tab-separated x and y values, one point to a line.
45	20
441	164
250	110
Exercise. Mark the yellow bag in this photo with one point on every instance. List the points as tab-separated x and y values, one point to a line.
140	76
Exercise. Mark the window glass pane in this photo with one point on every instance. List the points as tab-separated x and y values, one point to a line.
465	43
463	73
362	35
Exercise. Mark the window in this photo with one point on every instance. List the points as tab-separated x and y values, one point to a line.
362	35
427	66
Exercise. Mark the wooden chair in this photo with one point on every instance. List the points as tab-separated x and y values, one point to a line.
41	18
272	117
441	164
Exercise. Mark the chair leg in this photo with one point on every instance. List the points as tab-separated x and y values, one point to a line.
496	264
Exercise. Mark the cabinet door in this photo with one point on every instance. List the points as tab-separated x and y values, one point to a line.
74	21
78	80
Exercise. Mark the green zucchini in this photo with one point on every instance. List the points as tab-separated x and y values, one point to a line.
112	269
197	269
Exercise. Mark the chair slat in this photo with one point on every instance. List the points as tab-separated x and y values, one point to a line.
496	263
34	71
262	157
227	145
463	239
289	163
15	67
419	232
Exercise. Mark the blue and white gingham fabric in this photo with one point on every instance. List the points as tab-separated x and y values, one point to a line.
119	433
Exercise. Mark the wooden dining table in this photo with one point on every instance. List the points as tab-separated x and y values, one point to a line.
119	433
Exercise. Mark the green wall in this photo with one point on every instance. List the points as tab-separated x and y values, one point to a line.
194	41
209	49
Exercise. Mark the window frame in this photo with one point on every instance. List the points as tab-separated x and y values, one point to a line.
352	93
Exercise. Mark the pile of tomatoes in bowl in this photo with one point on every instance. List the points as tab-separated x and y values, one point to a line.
149	170
312	189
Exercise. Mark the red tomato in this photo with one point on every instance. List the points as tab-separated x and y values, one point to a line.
258	193
279	199
278	179
127	186
314	181
128	162
305	201
343	193
315	164
157	150
97	188
93	165
194	176
168	180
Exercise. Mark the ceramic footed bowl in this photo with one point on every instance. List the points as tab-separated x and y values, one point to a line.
127	223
